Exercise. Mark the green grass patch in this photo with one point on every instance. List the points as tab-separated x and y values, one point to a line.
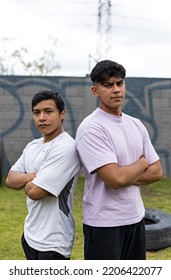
13	212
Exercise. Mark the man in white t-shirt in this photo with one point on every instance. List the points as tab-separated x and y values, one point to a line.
117	157
47	170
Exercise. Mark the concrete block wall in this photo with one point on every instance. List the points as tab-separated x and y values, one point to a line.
146	98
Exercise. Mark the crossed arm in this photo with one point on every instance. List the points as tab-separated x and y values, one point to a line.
138	173
18	180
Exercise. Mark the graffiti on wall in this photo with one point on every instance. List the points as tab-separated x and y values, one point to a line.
150	103
152	107
17	99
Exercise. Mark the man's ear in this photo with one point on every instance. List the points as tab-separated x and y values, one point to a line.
95	91
62	115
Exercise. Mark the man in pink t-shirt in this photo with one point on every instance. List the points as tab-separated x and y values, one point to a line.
117	158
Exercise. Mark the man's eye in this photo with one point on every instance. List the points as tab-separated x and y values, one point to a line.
107	85
35	113
120	83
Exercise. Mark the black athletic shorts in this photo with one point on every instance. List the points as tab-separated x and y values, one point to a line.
32	254
115	243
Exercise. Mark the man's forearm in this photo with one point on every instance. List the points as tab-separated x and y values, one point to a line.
18	180
124	176
34	192
131	173
152	174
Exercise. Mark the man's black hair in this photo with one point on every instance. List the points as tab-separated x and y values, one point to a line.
46	95
106	69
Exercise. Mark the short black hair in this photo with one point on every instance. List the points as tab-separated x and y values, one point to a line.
46	95
106	69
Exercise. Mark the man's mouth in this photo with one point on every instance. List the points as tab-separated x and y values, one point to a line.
43	125
116	97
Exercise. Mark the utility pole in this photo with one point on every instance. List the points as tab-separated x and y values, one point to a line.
104	30
104	38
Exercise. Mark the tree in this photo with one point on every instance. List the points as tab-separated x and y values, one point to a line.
22	62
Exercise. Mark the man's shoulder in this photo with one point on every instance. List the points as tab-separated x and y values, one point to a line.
92	124
34	142
62	138
63	142
132	118
90	120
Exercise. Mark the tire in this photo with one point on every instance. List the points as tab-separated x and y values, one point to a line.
158	229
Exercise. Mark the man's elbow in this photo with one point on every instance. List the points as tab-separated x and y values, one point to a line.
31	193
9	183
159	175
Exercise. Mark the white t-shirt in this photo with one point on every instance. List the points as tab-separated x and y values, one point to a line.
101	139
49	225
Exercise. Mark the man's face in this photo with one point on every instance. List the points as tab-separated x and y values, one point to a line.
111	95
47	119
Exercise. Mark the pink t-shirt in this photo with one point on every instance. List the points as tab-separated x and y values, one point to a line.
101	139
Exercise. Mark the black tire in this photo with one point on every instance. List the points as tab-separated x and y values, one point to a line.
158	229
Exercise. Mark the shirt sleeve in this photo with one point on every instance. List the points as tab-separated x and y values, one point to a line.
19	165
59	167
149	151
94	150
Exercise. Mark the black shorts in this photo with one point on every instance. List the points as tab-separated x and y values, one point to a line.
32	254
115	243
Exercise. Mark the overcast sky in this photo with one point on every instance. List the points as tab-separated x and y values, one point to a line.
140	33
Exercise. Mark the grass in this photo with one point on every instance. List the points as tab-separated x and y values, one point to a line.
12	215
13	212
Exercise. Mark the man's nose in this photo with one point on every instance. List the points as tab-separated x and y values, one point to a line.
115	89
42	116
